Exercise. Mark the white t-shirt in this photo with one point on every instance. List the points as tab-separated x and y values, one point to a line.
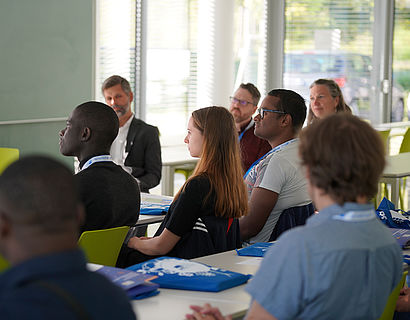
280	172
117	150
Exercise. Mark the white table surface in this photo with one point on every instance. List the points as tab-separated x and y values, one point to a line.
398	166
174	304
172	158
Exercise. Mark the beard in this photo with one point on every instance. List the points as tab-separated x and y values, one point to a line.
120	110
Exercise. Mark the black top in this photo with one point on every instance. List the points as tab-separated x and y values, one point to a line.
192	218
185	211
110	195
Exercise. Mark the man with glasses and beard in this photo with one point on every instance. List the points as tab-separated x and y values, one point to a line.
243	105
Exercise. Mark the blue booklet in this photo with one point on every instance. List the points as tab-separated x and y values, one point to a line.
402	236
257	249
135	284
176	273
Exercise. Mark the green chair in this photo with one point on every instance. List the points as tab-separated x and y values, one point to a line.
103	246
7	156
185	170
391	302
405	144
404	147
385	134
4	264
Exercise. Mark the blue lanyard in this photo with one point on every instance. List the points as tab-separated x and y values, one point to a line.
276	149
95	160
246	129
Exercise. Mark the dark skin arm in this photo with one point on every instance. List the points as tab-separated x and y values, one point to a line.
261	203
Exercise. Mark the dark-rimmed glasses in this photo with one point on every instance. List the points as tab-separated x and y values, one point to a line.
262	111
241	102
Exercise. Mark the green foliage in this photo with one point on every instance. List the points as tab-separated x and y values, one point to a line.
403	78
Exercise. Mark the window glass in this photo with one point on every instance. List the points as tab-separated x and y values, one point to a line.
171	66
249	43
115	41
330	39
401	60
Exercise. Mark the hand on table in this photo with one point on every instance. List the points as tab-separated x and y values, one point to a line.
403	302
207	312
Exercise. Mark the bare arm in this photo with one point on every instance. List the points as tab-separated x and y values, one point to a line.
403	302
261	203
156	246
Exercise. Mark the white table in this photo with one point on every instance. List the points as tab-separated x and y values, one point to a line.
398	166
174	157
174	304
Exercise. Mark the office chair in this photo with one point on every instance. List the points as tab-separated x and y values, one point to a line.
7	156
391	302
290	218
103	246
4	264
404	147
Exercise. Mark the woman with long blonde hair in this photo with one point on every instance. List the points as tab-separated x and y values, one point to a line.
202	219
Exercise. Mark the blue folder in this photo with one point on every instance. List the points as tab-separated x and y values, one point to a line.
176	273
255	250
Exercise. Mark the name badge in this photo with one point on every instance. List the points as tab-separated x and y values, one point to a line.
356	216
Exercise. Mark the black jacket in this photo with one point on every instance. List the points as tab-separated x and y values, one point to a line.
144	154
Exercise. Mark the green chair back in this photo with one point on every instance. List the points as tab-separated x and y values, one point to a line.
404	147
391	302
384	134
103	246
7	156
405	144
4	264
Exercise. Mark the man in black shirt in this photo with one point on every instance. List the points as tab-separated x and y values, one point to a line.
110	195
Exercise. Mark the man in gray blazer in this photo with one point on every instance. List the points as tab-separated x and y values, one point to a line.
137	148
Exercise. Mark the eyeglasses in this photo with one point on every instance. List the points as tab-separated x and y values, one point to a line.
241	102
262	111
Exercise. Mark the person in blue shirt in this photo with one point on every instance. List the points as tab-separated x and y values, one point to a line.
344	263
40	214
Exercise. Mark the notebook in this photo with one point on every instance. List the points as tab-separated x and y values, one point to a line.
135	284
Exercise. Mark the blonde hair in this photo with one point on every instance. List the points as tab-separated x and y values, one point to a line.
220	161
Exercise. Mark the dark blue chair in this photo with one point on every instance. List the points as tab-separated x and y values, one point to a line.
290	218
